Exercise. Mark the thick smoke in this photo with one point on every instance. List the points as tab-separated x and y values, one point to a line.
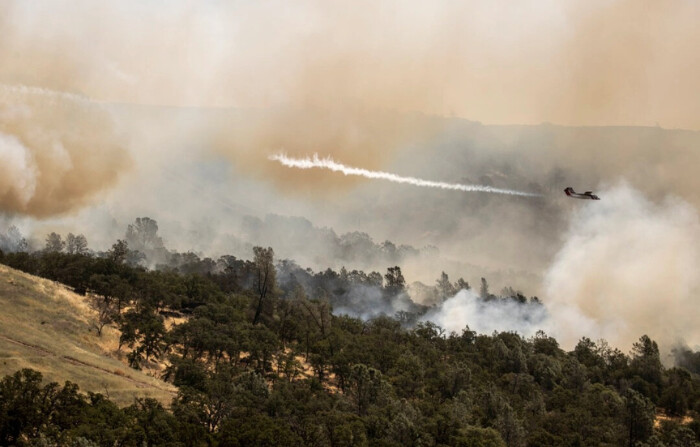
326	73
586	62
327	78
629	62
11	239
56	152
368	302
628	267
467	308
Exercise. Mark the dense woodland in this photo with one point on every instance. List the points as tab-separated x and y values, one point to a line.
260	358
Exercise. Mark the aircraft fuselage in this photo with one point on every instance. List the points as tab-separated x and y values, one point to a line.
577	195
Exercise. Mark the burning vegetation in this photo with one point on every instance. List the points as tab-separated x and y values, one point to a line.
262	349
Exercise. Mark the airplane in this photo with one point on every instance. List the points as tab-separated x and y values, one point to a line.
577	195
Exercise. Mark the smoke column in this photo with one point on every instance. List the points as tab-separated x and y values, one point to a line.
330	164
466	308
57	151
629	267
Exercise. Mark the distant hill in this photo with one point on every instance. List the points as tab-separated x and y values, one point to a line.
45	326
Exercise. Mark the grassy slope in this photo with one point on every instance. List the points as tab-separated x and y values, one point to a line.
46	327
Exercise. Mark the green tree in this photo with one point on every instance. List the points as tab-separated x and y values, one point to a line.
646	364
343	429
678	392
639	417
454	378
21	412
113	288
484	290
444	287
119	251
478	437
258	430
142	235
54	243
461	284
510	427
394	282
76	244
106	312
151	424
30	411
408	376
145	332
365	386
265	281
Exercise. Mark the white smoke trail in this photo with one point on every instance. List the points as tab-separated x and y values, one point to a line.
330	164
27	90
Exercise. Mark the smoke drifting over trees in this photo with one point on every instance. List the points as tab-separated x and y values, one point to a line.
509	241
236	356
487	315
89	140
628	264
377	314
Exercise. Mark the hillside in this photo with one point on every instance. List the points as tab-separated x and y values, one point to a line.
46	327
284	370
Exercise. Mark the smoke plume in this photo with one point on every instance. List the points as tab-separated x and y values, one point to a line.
325	74
56	151
330	164
466	308
628	267
367	302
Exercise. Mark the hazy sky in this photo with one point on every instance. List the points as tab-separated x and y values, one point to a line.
597	62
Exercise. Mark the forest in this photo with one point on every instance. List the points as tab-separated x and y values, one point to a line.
261	356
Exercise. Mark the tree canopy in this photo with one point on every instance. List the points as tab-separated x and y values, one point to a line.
260	357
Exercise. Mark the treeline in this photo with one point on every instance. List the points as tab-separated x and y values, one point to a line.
355	293
413	388
294	236
260	361
299	237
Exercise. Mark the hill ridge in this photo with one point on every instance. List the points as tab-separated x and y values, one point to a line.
46	327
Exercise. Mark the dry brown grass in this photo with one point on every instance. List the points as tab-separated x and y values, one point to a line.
169	322
47	327
661	417
303	370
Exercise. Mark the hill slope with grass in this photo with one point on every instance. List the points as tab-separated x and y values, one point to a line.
46	327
